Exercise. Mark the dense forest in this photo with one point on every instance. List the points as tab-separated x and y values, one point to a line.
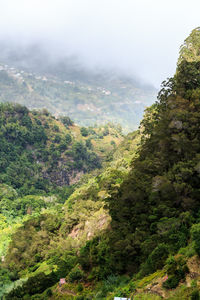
40	152
131	226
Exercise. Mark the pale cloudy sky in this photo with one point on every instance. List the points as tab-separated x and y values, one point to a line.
141	37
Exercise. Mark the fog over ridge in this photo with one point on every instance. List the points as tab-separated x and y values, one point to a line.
140	38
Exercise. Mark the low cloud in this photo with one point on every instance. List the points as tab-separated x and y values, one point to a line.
141	38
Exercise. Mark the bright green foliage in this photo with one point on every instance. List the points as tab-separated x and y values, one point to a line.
30	242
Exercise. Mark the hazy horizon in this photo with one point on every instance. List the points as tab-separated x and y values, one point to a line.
140	38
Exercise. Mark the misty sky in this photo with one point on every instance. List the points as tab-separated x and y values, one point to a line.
140	37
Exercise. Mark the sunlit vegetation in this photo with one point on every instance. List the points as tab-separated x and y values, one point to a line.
129	230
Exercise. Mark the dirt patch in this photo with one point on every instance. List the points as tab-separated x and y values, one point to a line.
156	287
74	178
74	233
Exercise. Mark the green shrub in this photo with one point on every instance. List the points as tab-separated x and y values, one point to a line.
155	260
80	298
171	265
66	121
49	293
88	144
176	269
56	128
195	295
84	131
195	234
79	287
75	274
172	282
68	138
57	138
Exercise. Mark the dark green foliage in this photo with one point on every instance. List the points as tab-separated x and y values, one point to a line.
95	256
6	278
66	121
33	156
75	274
19	133
56	128
57	139
195	234
171	265
79	287
49	293
195	295
88	144
34	285
64	192
176	269
188	77
68	138
159	200
156	260
83	158
64	264
84	131
161	185
172	282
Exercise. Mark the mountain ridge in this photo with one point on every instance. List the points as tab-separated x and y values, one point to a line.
65	87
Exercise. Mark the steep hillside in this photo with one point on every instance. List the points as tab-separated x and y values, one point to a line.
134	229
154	209
65	88
40	152
57	231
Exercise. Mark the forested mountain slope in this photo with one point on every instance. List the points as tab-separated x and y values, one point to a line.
40	152
66	88
43	230
133	230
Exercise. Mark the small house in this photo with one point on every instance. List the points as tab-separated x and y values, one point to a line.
62	281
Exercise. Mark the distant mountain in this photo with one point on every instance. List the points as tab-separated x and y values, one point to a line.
31	78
